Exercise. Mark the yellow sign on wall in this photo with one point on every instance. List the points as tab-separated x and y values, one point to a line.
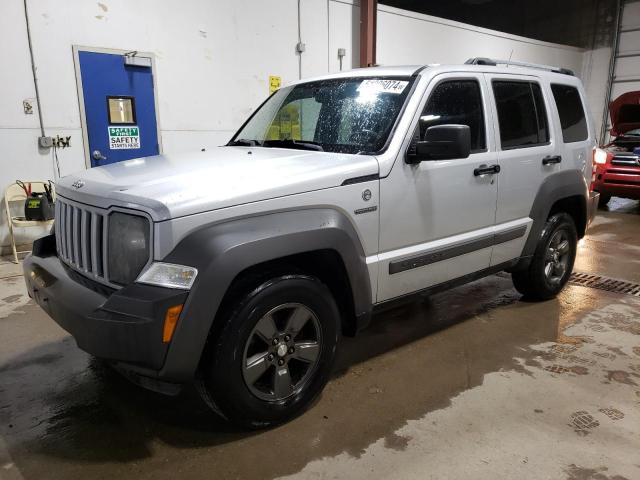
274	83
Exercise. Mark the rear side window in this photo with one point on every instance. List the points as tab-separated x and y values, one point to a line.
521	114
571	112
456	102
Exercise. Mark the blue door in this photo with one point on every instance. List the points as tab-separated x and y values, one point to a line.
119	107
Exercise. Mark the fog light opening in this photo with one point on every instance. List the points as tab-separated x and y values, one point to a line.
170	322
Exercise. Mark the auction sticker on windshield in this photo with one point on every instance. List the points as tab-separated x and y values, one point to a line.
121	138
383	86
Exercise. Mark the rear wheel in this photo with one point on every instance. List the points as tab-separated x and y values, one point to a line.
274	353
552	261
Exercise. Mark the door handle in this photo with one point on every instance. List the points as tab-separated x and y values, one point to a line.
97	155
485	170
551	159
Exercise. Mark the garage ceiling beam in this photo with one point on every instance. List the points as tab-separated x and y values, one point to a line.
368	28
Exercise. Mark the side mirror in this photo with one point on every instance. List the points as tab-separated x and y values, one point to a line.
443	142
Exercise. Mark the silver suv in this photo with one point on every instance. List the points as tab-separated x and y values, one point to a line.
239	268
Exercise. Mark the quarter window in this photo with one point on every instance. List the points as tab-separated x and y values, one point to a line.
521	114
456	102
571	112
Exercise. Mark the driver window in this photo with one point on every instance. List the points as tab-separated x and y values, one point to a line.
456	102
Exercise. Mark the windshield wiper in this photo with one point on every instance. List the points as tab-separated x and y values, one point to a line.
243	142
290	143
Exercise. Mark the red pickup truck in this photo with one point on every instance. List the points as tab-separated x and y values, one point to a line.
618	163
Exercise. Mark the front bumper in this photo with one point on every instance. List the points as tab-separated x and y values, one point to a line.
619	181
123	325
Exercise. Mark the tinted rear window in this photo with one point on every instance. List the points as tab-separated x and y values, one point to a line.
571	112
521	114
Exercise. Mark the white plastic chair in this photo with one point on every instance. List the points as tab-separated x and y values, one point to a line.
14	194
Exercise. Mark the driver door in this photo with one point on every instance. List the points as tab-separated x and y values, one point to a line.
437	217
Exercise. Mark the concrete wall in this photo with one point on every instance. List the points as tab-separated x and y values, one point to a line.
213	59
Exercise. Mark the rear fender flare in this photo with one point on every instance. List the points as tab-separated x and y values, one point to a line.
568	183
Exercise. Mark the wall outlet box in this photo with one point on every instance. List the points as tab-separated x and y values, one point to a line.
45	142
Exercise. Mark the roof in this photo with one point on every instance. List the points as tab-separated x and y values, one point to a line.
409	70
379	71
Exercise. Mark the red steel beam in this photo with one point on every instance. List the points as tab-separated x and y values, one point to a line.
368	18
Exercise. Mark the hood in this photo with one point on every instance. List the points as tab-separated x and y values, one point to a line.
171	186
625	113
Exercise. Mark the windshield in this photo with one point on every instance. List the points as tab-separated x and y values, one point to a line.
347	115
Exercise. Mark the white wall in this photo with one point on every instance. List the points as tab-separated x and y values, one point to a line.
595	74
213	59
409	38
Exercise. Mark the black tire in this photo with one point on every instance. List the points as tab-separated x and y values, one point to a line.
535	283
222	380
603	200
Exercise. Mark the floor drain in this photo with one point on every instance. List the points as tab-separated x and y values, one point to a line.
604	283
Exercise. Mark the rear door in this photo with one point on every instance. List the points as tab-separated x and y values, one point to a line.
526	154
119	108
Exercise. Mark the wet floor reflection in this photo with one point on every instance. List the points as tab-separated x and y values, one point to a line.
59	405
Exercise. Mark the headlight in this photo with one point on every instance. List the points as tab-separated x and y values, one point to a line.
600	156
169	275
128	246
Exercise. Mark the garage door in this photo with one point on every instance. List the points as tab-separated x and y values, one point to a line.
626	66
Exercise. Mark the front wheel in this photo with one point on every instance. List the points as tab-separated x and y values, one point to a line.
274	353
552	261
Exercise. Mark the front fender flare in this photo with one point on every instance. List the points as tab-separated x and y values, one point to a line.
221	251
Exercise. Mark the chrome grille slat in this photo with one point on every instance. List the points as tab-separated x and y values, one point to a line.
68	233
56	224
85	220
75	244
96	231
60	231
626	160
105	263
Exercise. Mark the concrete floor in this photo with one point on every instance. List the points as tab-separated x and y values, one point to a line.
470	383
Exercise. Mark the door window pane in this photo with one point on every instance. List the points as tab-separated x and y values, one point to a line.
521	114
571	112
541	112
456	102
121	110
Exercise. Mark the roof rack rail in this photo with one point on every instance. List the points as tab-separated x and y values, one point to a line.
493	62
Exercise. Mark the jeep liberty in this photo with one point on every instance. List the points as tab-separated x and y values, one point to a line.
238	268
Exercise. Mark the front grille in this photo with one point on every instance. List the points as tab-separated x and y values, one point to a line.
81	233
631	182
628	160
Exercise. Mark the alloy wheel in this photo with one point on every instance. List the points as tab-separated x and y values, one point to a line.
557	257
282	352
